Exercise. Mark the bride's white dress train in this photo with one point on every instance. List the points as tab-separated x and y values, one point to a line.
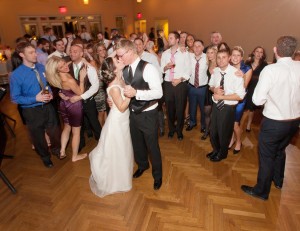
112	160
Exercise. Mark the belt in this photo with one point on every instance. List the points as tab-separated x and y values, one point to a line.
40	106
228	105
198	87
287	120
86	100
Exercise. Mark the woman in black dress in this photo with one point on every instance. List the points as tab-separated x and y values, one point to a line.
211	55
257	61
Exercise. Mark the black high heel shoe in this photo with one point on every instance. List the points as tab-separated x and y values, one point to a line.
237	151
204	136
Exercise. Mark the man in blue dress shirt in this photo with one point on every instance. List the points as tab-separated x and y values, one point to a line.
27	84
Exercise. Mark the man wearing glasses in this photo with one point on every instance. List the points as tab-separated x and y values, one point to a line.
144	89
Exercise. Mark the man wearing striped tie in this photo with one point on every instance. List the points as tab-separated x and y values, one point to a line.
197	85
228	89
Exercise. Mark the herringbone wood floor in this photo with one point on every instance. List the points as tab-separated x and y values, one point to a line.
196	194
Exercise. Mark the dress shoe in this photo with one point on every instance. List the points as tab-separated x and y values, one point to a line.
138	173
190	127
237	151
161	133
217	158
278	186
187	120
204	136
249	191
56	153
170	135
203	130
157	184
211	154
180	136
48	163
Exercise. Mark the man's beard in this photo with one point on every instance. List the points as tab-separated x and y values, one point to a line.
45	51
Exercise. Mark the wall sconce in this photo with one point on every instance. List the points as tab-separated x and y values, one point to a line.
85	2
138	1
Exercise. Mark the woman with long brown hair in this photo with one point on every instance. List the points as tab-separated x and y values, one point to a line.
100	53
257	60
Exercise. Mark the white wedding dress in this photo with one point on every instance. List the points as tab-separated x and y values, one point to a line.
112	160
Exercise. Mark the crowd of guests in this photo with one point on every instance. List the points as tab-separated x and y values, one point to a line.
214	78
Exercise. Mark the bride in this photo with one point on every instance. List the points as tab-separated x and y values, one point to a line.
112	160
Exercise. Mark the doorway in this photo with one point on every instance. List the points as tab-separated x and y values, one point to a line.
162	24
140	26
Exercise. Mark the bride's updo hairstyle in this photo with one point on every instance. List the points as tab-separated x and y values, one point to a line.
107	70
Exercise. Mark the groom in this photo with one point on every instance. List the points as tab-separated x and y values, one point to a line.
144	89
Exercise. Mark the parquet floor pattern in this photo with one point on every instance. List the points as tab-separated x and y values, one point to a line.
196	194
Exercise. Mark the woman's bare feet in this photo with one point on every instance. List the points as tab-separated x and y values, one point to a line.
79	157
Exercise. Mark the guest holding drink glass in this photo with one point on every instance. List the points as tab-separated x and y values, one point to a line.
27	84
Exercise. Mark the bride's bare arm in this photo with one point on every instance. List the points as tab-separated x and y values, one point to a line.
121	104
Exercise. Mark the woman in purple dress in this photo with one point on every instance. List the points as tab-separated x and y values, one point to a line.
57	73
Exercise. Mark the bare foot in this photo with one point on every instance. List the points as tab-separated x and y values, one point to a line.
79	157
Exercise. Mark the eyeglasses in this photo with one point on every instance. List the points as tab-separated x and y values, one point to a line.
120	56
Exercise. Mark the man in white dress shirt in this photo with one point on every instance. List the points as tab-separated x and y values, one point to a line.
278	89
85	35
215	39
144	89
91	87
176	66
147	56
228	89
59	49
153	59
197	85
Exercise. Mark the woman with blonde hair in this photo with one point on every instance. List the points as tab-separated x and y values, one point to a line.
211	55
57	74
237	54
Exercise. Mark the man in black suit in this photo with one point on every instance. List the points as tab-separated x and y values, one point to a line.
91	86
144	89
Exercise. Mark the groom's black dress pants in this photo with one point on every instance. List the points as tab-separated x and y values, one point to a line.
144	135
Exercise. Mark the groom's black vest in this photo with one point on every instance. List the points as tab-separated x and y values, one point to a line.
138	83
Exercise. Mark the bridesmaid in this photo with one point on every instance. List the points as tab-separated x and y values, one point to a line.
100	53
257	61
190	43
57	75
237	61
211	55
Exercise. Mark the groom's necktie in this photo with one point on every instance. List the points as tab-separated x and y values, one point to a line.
220	103
130	76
